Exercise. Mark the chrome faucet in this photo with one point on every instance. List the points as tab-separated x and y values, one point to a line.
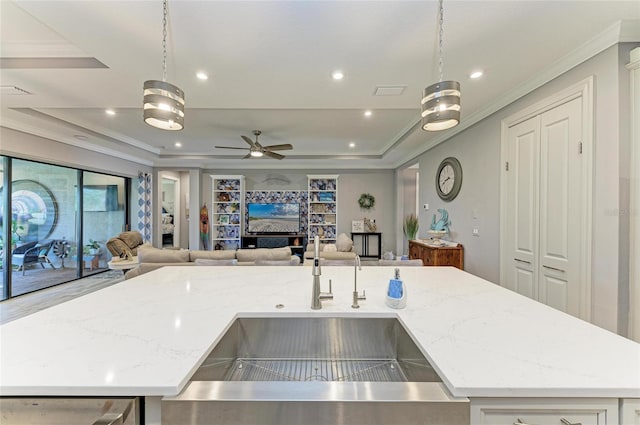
357	266
316	296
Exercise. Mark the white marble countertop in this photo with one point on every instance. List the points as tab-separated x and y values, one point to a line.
146	336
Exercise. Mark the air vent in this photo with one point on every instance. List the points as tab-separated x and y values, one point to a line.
389	90
12	90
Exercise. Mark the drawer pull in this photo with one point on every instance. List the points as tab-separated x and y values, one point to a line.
522	261
562	420
553	268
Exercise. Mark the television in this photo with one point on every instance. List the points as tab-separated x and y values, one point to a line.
273	218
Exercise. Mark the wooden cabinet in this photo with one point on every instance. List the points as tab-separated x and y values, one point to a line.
544	411
437	255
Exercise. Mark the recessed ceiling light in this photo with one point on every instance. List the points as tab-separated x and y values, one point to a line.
352	145
337	75
110	112
475	74
177	144
368	113
202	76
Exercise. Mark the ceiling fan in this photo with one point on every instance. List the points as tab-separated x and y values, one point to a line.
256	150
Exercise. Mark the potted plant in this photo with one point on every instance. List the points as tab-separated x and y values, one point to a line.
410	226
93	247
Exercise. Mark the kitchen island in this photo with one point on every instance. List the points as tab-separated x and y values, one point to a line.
146	336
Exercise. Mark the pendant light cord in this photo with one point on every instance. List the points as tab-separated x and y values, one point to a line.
440	34
164	41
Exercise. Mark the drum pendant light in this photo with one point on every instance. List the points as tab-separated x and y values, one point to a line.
441	101
163	102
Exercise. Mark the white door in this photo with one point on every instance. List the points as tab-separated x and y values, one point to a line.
544	197
522	194
560	215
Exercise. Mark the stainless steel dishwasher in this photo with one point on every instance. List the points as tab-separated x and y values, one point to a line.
320	370
69	411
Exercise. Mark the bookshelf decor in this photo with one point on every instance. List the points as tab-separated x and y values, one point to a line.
323	207
228	206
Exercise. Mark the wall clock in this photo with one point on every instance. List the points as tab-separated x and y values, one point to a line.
449	179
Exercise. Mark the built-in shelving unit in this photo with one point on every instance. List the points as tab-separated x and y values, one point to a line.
323	207
228	204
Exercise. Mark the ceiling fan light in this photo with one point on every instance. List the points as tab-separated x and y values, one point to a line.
441	106
163	105
256	153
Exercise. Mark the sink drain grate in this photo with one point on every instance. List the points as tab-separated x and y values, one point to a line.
315	370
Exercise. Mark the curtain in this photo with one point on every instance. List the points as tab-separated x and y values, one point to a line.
144	204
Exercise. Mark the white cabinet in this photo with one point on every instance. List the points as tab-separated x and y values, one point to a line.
630	411
226	218
544	411
323	207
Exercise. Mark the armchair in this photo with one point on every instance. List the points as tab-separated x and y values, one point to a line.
32	253
125	244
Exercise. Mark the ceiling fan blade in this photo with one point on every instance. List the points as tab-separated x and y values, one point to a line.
284	147
229	147
273	155
247	156
246	139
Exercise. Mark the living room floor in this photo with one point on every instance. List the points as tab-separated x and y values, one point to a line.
27	304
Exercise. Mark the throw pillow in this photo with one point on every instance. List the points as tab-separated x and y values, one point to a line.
330	247
344	243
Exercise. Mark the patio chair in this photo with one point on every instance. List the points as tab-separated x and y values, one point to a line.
32	253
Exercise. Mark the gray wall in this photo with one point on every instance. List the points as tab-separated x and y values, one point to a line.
478	149
28	146
351	184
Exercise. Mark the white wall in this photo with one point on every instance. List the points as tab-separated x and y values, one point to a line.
478	149
634	249
406	198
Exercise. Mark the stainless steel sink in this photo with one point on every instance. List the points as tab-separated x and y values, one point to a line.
320	370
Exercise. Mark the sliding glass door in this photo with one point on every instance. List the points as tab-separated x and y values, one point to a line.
103	216
58	223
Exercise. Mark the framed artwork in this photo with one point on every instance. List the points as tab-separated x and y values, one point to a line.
357	226
223	219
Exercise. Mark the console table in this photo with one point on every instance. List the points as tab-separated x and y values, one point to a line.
365	244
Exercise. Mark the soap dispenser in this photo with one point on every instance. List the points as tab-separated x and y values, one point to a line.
396	293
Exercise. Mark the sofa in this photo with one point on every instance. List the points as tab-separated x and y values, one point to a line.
151	258
341	250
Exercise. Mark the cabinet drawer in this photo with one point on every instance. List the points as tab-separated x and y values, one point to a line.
545	412
630	411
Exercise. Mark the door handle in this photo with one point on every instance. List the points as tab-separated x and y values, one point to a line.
115	418
553	268
522	261
566	422
110	419
562	420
